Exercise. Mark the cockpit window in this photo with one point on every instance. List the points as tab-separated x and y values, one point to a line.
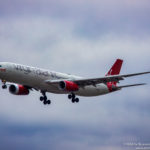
0	65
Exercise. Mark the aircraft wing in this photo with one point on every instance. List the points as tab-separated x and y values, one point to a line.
94	81
113	78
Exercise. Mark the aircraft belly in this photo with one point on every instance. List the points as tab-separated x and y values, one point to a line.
99	89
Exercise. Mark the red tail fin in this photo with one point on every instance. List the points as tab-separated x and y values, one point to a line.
115	69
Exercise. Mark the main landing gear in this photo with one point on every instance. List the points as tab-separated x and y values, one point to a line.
4	86
73	97
44	98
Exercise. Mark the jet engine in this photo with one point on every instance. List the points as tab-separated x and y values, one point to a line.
68	86
18	89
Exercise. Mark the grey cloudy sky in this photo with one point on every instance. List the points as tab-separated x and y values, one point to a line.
83	38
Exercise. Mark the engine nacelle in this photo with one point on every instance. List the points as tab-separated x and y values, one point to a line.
68	86
18	89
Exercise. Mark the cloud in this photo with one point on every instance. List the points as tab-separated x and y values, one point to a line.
94	18
36	38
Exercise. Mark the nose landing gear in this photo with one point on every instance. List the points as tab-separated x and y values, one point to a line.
73	97
44	98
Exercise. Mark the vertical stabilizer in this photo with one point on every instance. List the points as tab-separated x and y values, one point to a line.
115	69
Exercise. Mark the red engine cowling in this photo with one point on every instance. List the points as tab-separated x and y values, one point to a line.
68	86
18	89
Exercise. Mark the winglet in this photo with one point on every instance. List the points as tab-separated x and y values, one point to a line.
115	69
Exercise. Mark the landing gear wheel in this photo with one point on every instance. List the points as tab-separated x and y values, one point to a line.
69	96
48	102
77	100
73	100
4	86
41	98
44	98
44	102
73	97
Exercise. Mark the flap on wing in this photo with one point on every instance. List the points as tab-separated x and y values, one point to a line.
95	81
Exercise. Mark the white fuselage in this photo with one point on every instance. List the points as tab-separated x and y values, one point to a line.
35	78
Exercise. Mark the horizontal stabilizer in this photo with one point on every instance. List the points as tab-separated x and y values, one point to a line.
125	86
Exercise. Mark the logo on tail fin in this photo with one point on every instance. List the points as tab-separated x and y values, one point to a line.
115	70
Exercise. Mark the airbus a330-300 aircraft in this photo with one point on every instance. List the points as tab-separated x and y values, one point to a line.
22	79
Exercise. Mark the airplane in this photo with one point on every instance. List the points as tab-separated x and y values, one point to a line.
23	79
